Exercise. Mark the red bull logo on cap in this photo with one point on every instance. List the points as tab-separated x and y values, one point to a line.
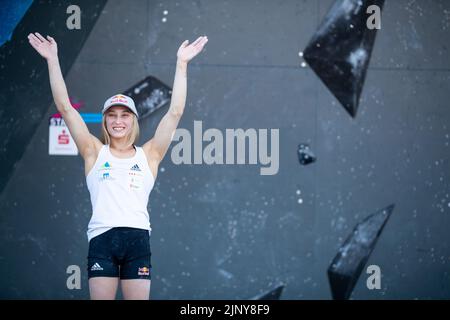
119	98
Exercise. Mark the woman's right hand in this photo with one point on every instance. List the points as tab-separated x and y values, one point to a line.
47	48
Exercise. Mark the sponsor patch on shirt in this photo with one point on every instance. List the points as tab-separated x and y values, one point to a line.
135	179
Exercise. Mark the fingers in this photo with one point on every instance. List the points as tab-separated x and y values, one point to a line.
204	41
201	41
34	44
37	38
185	43
186	53
34	41
197	41
33	38
40	37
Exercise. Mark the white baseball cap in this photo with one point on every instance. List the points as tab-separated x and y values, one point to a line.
120	100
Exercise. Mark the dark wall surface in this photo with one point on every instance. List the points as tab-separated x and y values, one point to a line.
225	231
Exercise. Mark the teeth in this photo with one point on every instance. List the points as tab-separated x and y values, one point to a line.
118	129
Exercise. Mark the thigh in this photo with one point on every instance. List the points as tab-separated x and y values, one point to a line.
135	289
103	288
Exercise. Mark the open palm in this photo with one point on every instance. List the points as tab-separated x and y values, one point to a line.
47	48
188	51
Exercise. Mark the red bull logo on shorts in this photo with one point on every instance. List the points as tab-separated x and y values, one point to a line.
144	271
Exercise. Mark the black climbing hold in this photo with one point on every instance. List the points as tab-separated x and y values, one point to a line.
339	52
305	155
149	95
272	294
344	271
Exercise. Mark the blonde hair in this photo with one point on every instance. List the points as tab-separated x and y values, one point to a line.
132	137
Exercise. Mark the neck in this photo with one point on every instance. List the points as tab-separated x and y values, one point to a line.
121	145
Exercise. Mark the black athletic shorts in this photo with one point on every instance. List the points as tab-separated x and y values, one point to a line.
120	252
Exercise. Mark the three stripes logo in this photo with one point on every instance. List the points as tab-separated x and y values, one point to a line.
135	167
96	267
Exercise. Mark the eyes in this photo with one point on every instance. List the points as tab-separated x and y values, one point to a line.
125	115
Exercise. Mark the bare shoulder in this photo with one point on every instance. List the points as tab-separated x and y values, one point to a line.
152	157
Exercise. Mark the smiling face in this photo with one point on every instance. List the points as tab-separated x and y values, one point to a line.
119	122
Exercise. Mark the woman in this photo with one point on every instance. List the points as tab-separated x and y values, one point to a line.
119	176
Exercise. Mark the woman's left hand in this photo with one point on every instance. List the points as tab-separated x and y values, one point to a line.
188	51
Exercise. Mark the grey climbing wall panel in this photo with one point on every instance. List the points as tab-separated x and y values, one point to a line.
225	231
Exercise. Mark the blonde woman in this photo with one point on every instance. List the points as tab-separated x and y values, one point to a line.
119	176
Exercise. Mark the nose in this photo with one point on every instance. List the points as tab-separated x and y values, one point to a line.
117	121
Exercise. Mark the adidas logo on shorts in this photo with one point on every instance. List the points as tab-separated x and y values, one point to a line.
96	267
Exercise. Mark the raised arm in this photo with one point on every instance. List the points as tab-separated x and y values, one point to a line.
48	49
157	147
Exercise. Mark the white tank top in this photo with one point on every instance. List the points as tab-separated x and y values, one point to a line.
119	190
